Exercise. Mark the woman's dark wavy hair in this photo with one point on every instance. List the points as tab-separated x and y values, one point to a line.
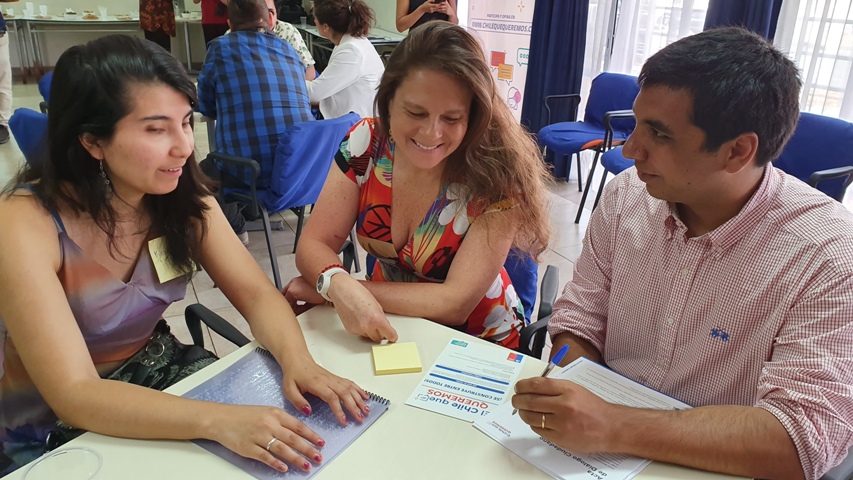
344	16
497	159
89	94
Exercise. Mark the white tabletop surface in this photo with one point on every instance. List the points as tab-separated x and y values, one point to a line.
406	442
374	32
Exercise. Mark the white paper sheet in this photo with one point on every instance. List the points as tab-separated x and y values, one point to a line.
468	380
510	431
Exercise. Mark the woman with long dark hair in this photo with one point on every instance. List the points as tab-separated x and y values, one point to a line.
98	241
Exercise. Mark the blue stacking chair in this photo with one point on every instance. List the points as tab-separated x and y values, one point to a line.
613	162
44	90
302	160
609	92
820	153
30	130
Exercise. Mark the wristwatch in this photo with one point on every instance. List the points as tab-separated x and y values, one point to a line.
324	281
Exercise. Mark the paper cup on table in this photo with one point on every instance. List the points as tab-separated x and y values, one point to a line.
303	21
43	10
102	11
10	12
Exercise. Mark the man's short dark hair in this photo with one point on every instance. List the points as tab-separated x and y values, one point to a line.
739	83
248	14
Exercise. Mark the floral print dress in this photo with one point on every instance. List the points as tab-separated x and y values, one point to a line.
367	159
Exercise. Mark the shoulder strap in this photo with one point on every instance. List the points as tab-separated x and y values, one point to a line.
56	218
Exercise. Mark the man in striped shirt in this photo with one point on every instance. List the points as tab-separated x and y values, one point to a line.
713	277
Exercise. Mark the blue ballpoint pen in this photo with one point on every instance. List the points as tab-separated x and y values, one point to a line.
551	364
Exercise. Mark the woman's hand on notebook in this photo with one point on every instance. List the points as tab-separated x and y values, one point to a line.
249	431
305	376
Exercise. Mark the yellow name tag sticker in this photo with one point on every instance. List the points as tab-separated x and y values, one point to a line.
162	264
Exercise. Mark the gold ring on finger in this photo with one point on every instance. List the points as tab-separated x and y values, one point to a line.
543	424
273	439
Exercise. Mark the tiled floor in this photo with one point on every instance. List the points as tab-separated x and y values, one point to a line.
564	249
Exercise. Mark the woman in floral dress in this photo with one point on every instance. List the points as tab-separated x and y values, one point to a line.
438	186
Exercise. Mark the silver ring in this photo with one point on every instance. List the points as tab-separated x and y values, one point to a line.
543	427
273	439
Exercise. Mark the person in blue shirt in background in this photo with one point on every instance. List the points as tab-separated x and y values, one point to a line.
253	84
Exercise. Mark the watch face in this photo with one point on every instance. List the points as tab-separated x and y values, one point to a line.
320	281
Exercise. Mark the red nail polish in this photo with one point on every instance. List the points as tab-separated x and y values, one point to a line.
366	408
360	415
306	466
318	458
321	442
306	410
282	467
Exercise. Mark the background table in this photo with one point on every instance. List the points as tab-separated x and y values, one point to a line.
377	36
34	27
406	442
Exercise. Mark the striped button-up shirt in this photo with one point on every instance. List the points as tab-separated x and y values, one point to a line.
757	312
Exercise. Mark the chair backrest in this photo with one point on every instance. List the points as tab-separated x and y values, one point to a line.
614	162
302	159
524	273
611	91
30	130
818	143
44	85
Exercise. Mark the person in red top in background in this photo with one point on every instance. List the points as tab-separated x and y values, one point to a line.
214	18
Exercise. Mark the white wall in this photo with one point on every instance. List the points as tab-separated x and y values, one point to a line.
386	13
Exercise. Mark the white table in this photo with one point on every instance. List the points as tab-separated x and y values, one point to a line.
186	22
406	442
377	36
16	25
34	26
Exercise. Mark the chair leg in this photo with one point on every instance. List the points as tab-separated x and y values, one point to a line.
580	177
300	217
355	259
276	276
586	190
600	189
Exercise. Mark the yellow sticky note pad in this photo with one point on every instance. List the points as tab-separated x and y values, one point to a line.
396	358
165	269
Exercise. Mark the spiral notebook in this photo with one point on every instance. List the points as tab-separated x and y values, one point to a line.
255	379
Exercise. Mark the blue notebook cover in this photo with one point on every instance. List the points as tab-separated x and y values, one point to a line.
255	379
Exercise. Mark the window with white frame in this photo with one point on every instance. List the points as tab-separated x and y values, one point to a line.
818	36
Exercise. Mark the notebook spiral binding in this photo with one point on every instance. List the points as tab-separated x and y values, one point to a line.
376	398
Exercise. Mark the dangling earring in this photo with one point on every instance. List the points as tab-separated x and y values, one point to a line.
390	136
107	186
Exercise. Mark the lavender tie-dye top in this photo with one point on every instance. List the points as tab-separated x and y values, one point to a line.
116	320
